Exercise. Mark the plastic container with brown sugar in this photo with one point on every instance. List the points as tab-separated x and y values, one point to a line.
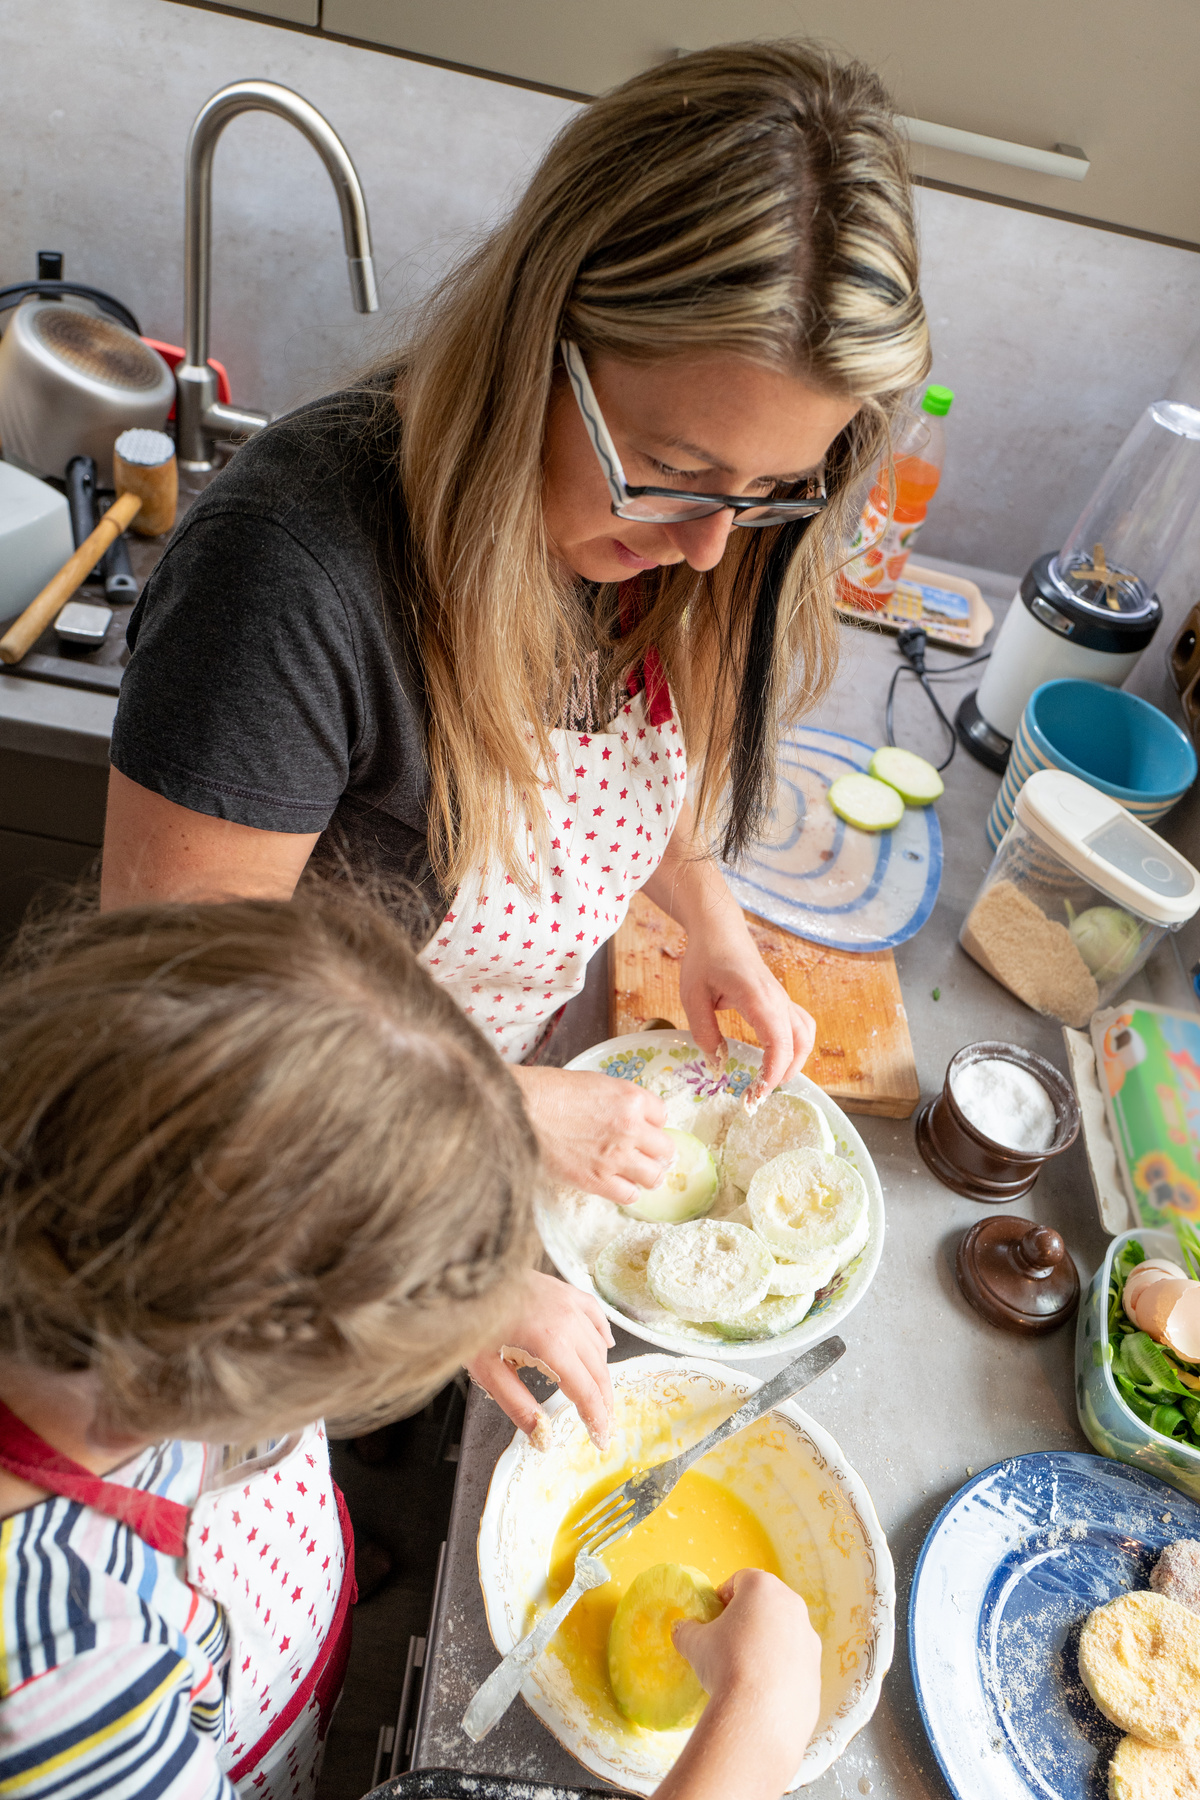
1077	896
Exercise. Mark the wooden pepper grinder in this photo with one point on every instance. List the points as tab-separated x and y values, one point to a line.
1018	1275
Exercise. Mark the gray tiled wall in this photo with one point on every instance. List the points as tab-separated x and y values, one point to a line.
1054	335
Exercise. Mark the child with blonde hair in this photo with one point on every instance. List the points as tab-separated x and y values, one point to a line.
256	1168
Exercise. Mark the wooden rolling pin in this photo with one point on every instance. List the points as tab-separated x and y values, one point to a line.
155	496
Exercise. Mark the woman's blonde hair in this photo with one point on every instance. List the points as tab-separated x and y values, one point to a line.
751	199
255	1165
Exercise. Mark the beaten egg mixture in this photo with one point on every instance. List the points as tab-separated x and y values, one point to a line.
703	1524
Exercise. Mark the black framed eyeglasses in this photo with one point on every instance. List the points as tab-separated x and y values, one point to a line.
670	506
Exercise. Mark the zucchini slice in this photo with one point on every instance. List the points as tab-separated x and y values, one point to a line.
916	781
861	800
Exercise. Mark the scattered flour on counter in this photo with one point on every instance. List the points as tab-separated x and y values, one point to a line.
1006	1103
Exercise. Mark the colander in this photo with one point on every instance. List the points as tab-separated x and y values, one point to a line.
70	382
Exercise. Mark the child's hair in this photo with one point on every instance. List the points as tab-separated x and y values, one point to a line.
255	1166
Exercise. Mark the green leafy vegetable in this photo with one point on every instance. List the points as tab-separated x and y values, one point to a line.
1188	1239
1148	1376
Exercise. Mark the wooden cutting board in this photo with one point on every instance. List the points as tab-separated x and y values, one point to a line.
863	1056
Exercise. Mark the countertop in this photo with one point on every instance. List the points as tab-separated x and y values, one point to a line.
927	1392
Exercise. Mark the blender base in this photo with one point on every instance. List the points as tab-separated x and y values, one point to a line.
985	743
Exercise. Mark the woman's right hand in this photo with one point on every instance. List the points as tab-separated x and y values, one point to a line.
597	1133
760	1663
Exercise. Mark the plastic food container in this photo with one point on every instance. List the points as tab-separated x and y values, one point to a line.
1077	896
1106	1420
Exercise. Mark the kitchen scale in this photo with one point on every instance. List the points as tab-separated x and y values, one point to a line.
1090	610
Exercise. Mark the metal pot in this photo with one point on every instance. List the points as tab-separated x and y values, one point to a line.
70	383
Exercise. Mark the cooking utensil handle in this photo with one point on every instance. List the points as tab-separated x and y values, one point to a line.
45	607
503	1685
781	1387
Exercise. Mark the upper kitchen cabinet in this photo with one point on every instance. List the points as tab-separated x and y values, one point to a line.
1116	80
295	12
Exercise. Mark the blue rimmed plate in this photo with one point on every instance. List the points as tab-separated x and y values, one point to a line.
1010	1570
825	880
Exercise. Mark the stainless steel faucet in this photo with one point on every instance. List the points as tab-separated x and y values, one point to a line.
200	417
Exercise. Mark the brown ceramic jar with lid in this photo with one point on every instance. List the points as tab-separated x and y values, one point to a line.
965	1158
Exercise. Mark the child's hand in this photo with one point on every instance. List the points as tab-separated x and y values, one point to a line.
760	1663
567	1334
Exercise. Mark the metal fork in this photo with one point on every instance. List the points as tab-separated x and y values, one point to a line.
618	1512
493	1699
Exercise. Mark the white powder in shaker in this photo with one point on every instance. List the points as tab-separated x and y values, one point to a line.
1006	1103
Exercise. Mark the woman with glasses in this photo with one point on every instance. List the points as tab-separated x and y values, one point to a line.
468	628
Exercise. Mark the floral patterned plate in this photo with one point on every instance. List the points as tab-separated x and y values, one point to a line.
786	1469
649	1058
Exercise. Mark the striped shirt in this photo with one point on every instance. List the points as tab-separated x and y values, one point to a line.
112	1669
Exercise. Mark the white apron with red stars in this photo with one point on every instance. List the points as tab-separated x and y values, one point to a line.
612	799
268	1546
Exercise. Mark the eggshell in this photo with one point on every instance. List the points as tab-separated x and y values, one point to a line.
1144	1276
1169	1311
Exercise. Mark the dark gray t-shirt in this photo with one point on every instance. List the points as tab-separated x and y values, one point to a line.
273	679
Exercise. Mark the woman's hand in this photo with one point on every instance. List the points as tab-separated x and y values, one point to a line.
721	968
760	1663
602	1135
722	971
565	1333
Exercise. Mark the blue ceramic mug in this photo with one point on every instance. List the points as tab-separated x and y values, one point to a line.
1113	740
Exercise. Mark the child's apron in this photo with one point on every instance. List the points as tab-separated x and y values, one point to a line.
512	960
275	1550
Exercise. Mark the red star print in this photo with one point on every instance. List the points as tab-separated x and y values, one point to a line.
554	927
555	872
620	822
604	784
642	732
533	918
325	1564
579	937
584	742
291	1518
284	1643
590	835
296	1593
509	907
252	1534
624	793
477	928
220	1554
237	1517
654	756
274	1566
527	945
504	934
556	844
581	771
556	898
597	811
204	1535
269	1506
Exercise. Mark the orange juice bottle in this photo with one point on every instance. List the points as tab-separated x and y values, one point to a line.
879	548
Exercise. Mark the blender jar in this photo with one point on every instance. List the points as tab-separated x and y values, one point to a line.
1076	898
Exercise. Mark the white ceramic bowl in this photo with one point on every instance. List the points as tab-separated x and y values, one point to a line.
789	1472
564	1237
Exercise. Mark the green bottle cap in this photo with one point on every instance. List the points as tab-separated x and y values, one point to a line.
938	400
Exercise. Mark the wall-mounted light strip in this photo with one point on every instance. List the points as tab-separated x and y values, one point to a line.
1065	159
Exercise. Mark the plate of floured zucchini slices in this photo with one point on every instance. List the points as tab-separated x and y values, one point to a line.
764	1235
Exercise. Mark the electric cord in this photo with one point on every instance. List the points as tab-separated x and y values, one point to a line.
911	644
